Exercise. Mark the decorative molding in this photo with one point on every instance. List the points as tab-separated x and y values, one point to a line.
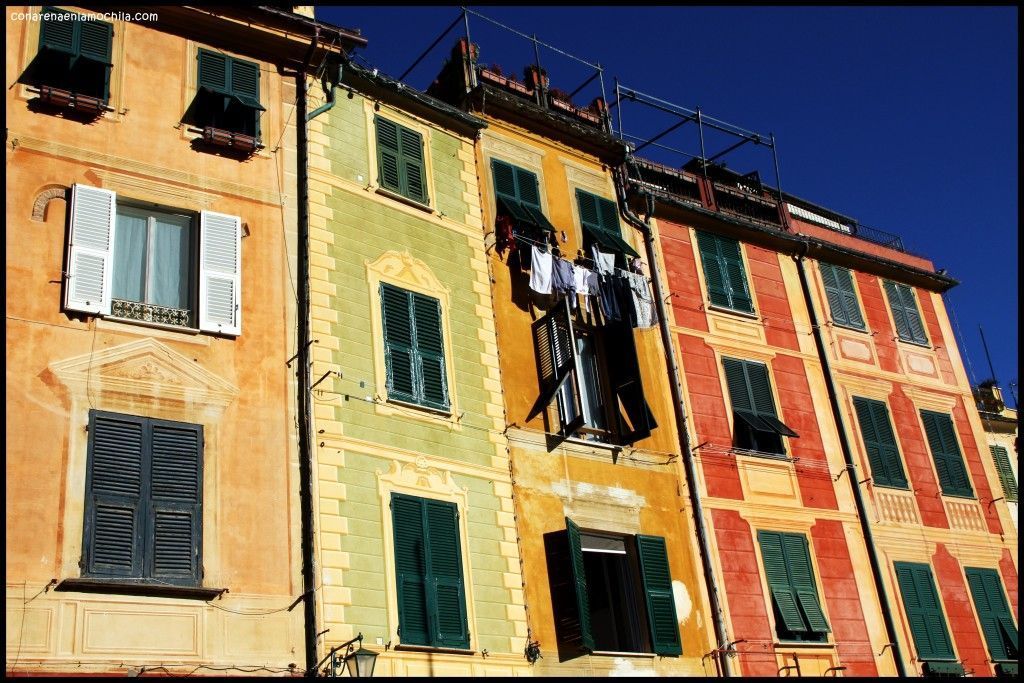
514	151
855	349
865	387
930	400
896	507
602	508
920	364
965	515
592	180
155	190
42	201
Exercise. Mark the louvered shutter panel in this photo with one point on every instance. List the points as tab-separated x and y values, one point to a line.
115	489
844	281
783	596
760	389
880	443
90	244
1006	478
94	40
220	273
636	420
949	462
399	352
736	277
504	179
430	351
714	269
410	569
921	603
528	191
176	493
993	613
899	314
444	576
832	293
736	381
413	169
609	213
913	315
245	80
580	584
801	578
556	356
590	217
661	606
213	71
388	155
58	35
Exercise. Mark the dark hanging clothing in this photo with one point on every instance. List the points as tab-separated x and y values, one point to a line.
610	298
564	279
504	236
624	299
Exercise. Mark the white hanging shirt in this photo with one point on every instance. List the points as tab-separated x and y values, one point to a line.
540	271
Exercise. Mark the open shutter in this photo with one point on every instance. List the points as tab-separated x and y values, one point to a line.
399	351
430	351
783	596
446	591
245	81
90	249
921	602
410	569
801	578
413	171
388	155
714	269
176	498
220	273
636	420
1006	478
94	40
115	489
993	613
949	463
556	362
661	606
580	584
880	443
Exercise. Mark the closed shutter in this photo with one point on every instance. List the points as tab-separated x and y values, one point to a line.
58	35
115	523
504	179
388	155
555	347
580	584
446	592
430	351
600	218
245	81
924	613
176	494
213	71
636	420
784	597
904	312
750	393
842	298
1006	478
736	277
801	578
413	170
913	316
661	606
993	613
94	40
411	569
527	188
399	345
949	463
714	273
90	249
220	273
880	443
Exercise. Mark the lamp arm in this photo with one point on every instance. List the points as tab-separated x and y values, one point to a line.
334	649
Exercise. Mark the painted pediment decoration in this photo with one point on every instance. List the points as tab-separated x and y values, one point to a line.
402	267
145	369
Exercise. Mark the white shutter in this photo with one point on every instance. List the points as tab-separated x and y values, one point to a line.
220	273
90	250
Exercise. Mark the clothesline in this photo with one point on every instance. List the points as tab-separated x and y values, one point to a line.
587	259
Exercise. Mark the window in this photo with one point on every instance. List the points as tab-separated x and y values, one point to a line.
149	264
428	564
724	272
228	96
600	220
993	614
1006	478
517	195
924	613
611	593
842	297
74	55
794	594
413	348
880	443
949	464
143	499
593	377
756	425
904	312
400	162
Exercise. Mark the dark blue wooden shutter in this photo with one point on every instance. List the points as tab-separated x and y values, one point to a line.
446	589
924	613
661	606
430	351
176	495
399	351
411	569
116	488
993	613
949	463
388	155
880	443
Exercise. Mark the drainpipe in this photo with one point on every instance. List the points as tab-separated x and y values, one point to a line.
680	412
335	82
853	478
305	416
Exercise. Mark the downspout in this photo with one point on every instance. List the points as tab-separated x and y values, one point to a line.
327	106
853	478
680	413
303	361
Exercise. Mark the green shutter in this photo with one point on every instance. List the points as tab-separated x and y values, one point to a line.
714	269
413	171
760	388
413	348
949	463
801	579
736	380
245	82
993	613
580	584
880	443
924	613
904	312
1006	478
94	40
783	595
527	188
433	389
213	71
661	606
913	315
116	490
504	179
176	492
410	569
600	219
58	35
724	272
445	588
388	155
842	297
399	355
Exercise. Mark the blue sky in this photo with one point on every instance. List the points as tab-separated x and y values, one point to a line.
902	118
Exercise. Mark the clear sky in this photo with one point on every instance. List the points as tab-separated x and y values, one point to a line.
904	119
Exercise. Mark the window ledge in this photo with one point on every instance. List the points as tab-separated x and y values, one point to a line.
429	410
920	345
405	200
613	653
733	311
960	496
147	323
764	455
128	587
803	645
890	487
430	648
850	328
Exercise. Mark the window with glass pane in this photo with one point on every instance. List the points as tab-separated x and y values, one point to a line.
152	273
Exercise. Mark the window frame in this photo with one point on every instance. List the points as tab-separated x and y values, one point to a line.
720	267
196	113
753	415
931	612
879	410
807	611
74	51
417	397
949	446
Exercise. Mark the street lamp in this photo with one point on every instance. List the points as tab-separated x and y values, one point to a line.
359	662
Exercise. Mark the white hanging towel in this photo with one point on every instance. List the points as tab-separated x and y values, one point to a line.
643	304
586	284
540	271
604	263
